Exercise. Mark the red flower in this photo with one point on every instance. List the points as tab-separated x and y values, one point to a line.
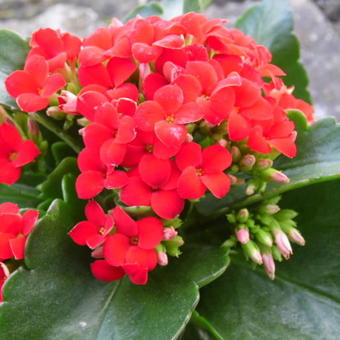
33	86
4	273
101	270
202	170
14	229
95	229
55	47
133	246
14	153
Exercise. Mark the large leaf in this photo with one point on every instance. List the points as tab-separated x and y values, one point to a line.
57	298
271	24
152	8
304	300
21	194
318	160
13	51
173	8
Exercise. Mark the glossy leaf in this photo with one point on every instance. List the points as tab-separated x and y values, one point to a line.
271	24
318	160
13	51
21	194
152	8
173	8
303	302
57	298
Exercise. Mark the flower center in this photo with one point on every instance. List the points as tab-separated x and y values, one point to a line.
170	119
199	172
101	230
13	156
134	240
149	148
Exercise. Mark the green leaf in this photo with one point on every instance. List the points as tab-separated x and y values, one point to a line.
52	186
303	302
271	24
23	195
318	160
56	297
174	8
152	8
13	52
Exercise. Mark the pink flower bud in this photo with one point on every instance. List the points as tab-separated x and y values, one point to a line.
162	258
169	233
264	163
283	243
269	265
68	102
223	142
243	236
54	112
280	177
98	253
233	179
272	209
295	236
189	138
248	161
33	128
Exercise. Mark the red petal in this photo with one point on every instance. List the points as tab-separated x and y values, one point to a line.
96	74
285	145
145	53
189	113
82	231
95	240
205	73
89	184
257	142
152	83
162	151
95	213
29	218
222	101
8	173
137	274
94	135
189	184
18	247
116	179
215	159
170	97
153	171
247	94
261	110
5	249
126	132
115	249
171	41
147	114
48	39
189	155
218	184
10	136
89	102
27	152
150	232
112	153
52	85
101	270
171	134
120	69
127	90
88	159
11	223
229	63
38	68
91	55
9	208
124	223
143	257
190	86
136	192
20	82
126	106
238	127
29	102
167	204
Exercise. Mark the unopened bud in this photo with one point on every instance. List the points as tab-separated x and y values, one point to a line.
295	236
243	215
282	243
264	237
223	142
33	128
98	253
233	179
68	102
234	169
236	153
269	265
247	162
162	258
242	236
54	112
270	209
276	254
263	164
252	251
251	189
231	218
169	233
275	176
189	138
286	214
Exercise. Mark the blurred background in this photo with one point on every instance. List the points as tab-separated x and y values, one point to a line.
317	25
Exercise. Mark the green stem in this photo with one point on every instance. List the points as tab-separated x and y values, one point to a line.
50	125
203	323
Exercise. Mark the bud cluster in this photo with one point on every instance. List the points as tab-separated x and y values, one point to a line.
265	233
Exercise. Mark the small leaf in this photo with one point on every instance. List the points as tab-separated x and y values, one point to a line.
13	52
173	8
318	160
303	302
271	24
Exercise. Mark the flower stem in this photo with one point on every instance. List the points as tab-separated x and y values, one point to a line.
50	125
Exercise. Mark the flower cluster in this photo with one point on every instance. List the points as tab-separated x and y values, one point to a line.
14	230
162	106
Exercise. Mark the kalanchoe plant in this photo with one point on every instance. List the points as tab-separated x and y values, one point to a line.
156	151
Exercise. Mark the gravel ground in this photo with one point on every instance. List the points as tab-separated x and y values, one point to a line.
317	26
